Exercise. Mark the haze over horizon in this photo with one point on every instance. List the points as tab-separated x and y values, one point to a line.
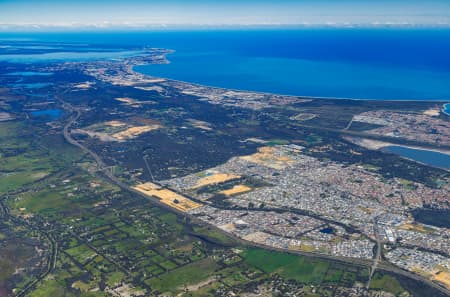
38	15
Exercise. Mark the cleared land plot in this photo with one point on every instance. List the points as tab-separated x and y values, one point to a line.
237	189
443	277
267	156
216	178
200	124
117	130
81	253
134	132
167	197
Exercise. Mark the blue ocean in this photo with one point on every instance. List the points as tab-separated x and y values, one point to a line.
344	63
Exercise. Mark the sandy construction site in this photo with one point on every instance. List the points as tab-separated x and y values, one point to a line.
167	197
216	178
267	156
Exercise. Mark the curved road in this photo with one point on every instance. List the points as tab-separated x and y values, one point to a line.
372	264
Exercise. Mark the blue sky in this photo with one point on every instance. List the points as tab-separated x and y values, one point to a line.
105	13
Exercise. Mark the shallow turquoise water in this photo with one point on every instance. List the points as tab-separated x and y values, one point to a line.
38	85
29	73
65	56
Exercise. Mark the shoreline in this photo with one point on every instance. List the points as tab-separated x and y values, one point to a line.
132	68
377	145
445	107
414	160
367	143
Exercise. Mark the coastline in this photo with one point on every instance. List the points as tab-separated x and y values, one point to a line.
445	108
367	143
132	68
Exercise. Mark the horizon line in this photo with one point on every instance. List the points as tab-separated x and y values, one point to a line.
33	27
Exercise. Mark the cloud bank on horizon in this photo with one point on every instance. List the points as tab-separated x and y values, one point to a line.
154	13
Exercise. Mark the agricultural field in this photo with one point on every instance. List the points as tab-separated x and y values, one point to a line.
102	241
302	269
387	283
96	200
21	161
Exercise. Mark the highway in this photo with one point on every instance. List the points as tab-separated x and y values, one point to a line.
377	263
377	258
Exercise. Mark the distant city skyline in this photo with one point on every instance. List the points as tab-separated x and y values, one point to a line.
153	14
